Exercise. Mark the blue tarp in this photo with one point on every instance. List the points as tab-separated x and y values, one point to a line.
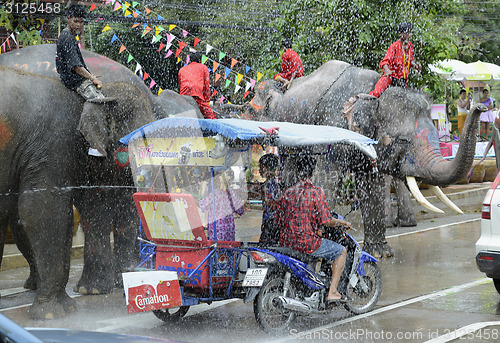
289	134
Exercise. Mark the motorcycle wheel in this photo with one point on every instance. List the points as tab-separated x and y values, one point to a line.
271	317
364	299
172	314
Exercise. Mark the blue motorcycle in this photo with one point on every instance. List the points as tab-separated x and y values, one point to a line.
294	283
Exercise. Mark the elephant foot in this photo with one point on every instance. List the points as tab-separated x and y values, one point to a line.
30	283
53	308
406	222
378	250
85	291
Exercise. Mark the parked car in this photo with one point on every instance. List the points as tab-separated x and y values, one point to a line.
488	245
11	332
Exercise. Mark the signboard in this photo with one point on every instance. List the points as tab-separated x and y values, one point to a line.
151	290
186	151
438	112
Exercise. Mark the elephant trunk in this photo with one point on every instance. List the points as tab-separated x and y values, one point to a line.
430	167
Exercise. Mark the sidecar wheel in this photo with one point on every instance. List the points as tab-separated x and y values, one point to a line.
172	314
367	291
271	317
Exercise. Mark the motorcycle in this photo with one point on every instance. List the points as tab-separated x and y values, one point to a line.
297	284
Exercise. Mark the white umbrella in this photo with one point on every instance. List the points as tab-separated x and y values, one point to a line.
484	71
453	70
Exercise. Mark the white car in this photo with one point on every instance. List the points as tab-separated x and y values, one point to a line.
488	245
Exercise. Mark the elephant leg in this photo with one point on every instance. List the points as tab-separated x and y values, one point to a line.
47	219
23	244
97	275
125	233
406	213
371	193
387	201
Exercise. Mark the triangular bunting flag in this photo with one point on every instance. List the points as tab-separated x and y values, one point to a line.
152	84
117	6
203	59
171	27
178	52
135	25
209	47
178	60
182	45
169	37
145	76
106	28
239	77
127	13
130	58
259	75
247	69
228	82
246	93
157	31
137	67
221	55
252	82
169	52
168	46
233	62
146	31
237	89
188	59
247	87
217	77
216	64
196	41
184	33
160	17
156	39
135	14
122	49
127	5
215	92
114	38
93	7
13	37
161	46
227	72
134	3
159	92
221	99
147	10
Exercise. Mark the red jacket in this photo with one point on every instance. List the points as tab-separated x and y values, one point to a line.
193	81
398	60
290	62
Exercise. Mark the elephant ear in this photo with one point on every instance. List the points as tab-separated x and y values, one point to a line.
364	115
93	126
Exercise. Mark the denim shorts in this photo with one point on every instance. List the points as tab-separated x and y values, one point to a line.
329	250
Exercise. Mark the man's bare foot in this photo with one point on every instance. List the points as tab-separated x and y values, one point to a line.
334	296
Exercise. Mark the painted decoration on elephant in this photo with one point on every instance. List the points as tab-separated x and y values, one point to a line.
6	133
151	290
188	151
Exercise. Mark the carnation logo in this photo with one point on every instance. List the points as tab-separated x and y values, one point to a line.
142	301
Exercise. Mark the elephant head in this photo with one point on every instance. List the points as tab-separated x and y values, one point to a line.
408	142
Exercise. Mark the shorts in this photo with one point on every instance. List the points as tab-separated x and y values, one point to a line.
329	250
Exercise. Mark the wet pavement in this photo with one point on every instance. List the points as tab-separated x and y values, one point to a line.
432	291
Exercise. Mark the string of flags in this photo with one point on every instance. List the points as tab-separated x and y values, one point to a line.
7	43
168	43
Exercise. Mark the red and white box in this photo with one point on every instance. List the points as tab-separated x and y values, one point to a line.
151	290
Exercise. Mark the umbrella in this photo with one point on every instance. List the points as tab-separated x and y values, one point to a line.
484	71
454	70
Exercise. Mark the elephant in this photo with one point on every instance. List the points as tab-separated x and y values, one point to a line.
407	148
101	188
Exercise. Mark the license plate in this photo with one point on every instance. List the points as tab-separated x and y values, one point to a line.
254	277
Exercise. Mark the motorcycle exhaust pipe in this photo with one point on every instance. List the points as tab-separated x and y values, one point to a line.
295	305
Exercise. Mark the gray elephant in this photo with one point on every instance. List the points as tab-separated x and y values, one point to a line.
399	120
104	201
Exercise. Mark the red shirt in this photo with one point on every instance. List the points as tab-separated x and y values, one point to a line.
301	211
290	62
193	81
398	59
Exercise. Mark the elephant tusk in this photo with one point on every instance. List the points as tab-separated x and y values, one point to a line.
412	184
439	193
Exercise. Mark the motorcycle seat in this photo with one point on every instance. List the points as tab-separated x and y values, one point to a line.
306	258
